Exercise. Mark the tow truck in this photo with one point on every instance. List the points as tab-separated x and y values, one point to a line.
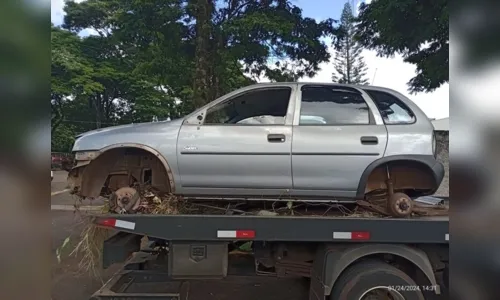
339	258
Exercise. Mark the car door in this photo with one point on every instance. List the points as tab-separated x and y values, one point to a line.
337	133
230	148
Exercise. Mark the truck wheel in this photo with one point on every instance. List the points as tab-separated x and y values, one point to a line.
375	280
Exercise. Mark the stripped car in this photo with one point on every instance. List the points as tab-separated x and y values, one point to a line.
303	141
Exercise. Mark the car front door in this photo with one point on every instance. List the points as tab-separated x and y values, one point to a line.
337	133
240	144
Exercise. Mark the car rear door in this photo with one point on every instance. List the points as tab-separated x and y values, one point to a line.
337	133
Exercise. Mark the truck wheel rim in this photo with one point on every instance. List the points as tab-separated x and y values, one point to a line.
381	293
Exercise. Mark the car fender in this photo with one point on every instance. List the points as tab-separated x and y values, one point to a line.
429	161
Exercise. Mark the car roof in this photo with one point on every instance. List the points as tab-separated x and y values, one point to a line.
369	87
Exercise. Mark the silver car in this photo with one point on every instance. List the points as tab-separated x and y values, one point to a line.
304	141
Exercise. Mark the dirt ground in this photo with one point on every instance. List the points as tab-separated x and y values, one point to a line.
68	284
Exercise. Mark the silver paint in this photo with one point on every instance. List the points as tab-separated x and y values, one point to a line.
238	160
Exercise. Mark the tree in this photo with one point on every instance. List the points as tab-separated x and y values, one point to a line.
349	65
145	55
234	37
417	30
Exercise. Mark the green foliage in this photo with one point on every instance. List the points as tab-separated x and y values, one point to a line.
146	54
418	30
349	65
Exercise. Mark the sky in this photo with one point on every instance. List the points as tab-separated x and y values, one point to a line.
386	72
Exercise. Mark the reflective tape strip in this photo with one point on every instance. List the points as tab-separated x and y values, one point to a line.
226	233
354	235
125	224
342	235
236	234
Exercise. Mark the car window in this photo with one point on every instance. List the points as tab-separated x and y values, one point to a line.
267	106
328	106
393	110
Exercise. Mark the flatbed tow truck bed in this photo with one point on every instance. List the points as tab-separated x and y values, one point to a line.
198	250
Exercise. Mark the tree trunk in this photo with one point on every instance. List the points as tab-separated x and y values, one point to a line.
203	10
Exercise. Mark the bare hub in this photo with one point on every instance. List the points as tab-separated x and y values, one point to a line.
125	200
399	205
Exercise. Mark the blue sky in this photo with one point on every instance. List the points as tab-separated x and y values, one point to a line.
321	9
318	9
324	9
387	72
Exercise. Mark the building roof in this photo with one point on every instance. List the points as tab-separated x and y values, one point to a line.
441	124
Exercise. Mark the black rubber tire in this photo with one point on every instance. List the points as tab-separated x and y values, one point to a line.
362	276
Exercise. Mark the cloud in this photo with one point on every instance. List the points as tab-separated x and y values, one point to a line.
57	12
391	73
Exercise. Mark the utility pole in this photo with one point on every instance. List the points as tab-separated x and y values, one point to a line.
374	74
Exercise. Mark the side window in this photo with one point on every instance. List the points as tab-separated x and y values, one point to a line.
393	110
266	106
328	106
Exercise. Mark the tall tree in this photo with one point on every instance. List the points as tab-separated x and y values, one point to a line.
145	55
71	73
202	11
349	65
417	30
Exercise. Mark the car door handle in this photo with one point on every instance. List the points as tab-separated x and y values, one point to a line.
276	138
369	140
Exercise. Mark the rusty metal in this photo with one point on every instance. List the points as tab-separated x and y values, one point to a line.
373	207
427	210
151	151
117	181
417	209
125	159
411	177
125	200
399	204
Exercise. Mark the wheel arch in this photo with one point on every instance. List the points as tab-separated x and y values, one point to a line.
426	162
91	185
335	262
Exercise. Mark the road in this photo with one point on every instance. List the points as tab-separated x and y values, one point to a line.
69	283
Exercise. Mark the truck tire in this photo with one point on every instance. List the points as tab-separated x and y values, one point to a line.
358	280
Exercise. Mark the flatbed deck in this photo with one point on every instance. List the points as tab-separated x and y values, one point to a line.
282	228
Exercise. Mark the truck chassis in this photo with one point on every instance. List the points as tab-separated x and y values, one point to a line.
186	249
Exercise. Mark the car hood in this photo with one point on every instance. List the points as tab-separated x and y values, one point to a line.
141	133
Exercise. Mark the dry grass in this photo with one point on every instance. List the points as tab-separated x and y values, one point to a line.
91	239
89	248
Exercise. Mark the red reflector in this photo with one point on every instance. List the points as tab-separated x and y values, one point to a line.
245	234
108	222
361	235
